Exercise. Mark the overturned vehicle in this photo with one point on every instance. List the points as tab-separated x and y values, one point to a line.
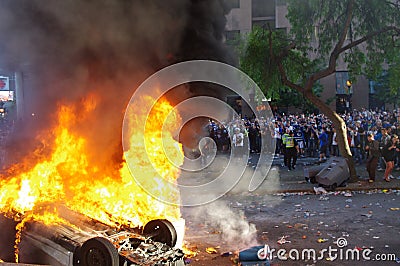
88	242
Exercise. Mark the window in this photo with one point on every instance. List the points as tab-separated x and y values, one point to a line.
263	8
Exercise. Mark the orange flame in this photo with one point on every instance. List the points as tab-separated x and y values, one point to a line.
66	177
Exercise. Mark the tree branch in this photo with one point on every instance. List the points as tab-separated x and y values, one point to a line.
367	37
286	81
335	53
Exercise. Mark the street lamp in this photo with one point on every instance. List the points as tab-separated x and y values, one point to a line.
348	102
348	84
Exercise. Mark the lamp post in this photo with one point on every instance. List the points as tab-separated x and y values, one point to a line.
348	100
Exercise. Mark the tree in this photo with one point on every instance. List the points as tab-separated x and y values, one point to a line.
365	34
386	89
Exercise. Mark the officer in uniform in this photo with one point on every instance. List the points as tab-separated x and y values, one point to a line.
284	138
292	148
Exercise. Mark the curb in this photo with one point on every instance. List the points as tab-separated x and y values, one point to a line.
311	190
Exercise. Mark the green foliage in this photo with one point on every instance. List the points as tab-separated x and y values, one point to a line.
256	60
386	88
317	26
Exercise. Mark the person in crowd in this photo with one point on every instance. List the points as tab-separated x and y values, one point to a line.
313	141
323	144
335	147
361	131
284	139
238	144
354	143
299	136
277	133
388	149
373	154
254	138
292	150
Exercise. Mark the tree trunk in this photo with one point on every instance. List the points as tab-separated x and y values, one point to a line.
341	132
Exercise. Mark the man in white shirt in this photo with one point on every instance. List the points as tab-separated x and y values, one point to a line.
238	143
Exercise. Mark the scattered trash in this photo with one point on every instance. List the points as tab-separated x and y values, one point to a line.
283	240
306	214
345	234
211	250
386	246
304	237
226	254
322	240
320	190
349	200
348	194
376	237
347	206
299	225
368	215
323	198
395	209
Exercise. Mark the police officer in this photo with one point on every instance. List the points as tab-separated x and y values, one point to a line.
292	148
284	138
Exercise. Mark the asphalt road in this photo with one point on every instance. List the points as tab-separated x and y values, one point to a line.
366	221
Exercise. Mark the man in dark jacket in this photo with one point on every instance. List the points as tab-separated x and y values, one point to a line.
373	153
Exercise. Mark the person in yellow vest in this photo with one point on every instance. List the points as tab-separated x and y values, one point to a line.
292	148
284	138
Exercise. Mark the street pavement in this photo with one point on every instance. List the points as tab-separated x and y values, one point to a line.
286	213
366	222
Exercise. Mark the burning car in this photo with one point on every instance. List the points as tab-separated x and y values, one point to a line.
98	244
78	211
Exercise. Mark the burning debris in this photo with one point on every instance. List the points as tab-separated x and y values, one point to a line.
64	180
89	242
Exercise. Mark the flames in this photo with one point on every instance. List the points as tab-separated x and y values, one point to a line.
65	176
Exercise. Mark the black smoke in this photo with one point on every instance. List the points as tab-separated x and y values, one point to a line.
67	49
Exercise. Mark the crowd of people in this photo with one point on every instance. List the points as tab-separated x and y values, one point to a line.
315	136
